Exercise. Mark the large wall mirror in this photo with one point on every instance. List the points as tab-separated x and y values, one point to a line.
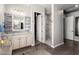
18	23
21	23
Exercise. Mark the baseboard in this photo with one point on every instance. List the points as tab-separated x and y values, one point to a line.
32	44
76	40
57	45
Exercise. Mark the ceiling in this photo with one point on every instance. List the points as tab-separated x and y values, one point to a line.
63	6
58	7
67	7
47	6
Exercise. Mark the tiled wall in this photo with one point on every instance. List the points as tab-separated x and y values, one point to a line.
48	26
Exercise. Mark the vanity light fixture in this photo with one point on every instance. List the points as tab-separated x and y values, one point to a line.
16	22
17	12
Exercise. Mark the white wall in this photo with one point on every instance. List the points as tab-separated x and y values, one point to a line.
57	27
19	7
1	12
48	28
52	16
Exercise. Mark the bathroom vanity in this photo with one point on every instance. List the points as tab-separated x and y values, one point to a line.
19	28
17	31
20	40
15	41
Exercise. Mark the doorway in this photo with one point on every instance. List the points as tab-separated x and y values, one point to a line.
71	34
37	27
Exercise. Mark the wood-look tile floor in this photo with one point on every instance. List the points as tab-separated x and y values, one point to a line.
69	48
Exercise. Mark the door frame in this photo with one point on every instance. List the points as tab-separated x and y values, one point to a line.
35	27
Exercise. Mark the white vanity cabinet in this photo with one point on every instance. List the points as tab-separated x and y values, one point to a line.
29	40
23	42
20	41
15	43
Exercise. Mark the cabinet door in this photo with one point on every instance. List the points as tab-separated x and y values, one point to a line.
29	41
22	42
15	43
